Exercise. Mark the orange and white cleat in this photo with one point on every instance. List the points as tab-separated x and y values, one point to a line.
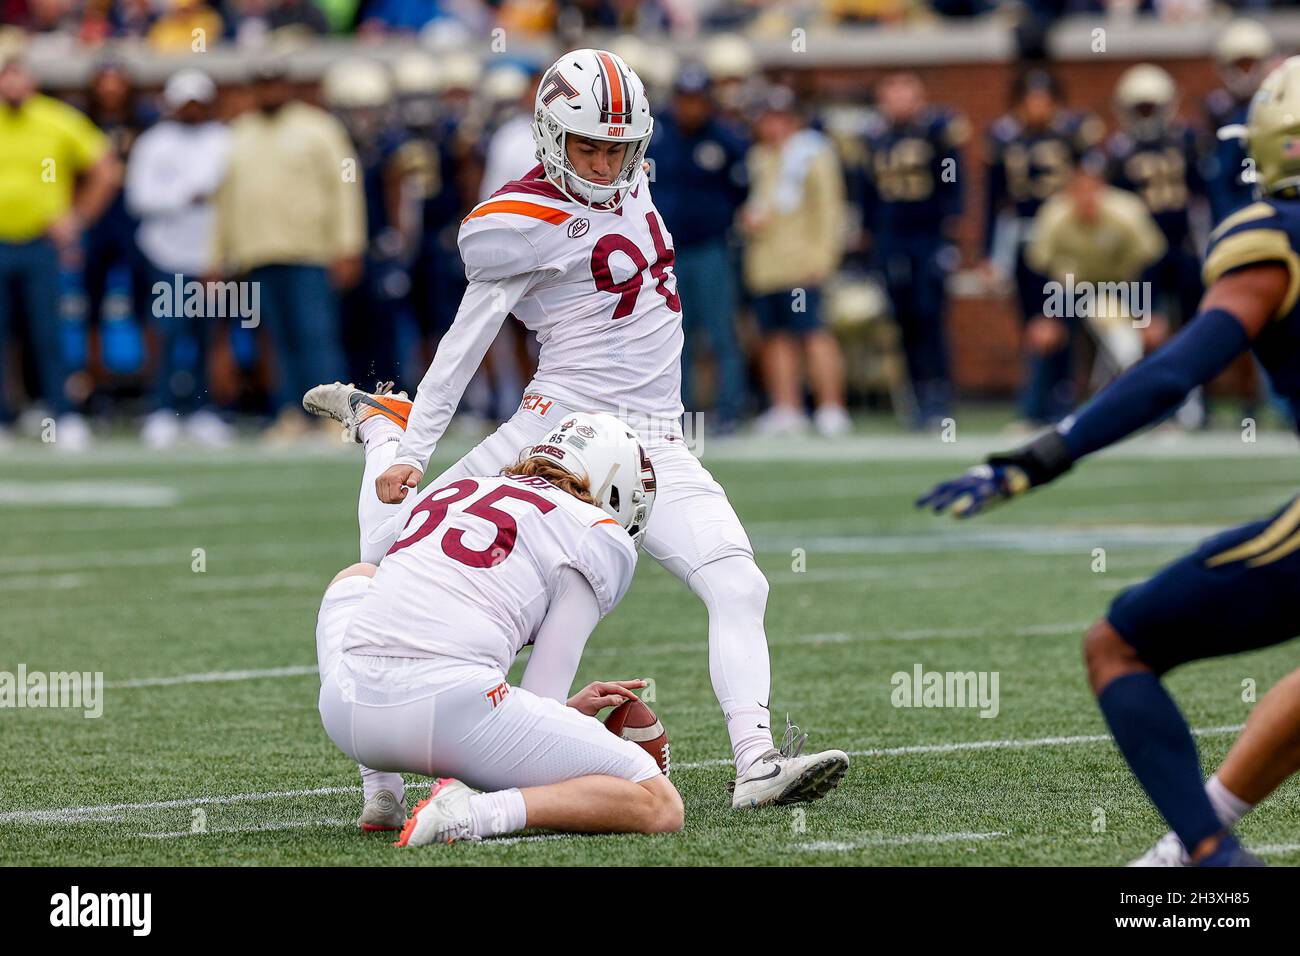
350	406
443	817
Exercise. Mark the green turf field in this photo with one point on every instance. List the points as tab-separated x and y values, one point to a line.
209	719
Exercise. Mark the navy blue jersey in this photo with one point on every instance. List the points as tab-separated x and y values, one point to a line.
1029	165
699	178
1163	171
912	181
1224	163
433	176
384	158
1266	231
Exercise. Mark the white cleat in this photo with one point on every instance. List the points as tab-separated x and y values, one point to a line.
72	434
160	430
1168	851
785	776
383	812
443	818
832	421
207	429
350	406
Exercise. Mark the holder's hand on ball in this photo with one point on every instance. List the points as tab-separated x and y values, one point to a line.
600	694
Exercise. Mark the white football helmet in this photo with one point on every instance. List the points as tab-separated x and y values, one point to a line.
591	93
604	451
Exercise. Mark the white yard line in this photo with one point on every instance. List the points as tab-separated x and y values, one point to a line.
1011	743
92	813
178	555
97	812
908	839
42	582
215	677
916	634
252	828
99	494
1272	849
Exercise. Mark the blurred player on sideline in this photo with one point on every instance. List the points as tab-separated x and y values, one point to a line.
913	210
1236	592
414	653
1033	151
1241	56
577	252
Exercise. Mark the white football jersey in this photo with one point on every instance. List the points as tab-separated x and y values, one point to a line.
475	569
603	302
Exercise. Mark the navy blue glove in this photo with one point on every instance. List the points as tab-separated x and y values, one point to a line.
1002	477
977	490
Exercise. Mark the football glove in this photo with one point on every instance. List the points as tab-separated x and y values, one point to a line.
1000	478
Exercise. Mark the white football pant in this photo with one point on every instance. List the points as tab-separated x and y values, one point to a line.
446	718
693	532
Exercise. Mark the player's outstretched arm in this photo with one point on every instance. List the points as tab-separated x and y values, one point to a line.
1233	312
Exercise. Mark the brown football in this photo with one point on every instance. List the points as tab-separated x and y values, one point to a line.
633	720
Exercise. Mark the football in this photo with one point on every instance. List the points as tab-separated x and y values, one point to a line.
636	722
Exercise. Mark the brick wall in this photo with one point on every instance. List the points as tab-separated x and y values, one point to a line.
985	330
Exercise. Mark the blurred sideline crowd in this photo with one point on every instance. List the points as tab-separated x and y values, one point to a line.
196	257
170	25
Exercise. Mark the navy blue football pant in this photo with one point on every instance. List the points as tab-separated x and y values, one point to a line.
706	283
29	286
916	276
1236	592
300	311
1047	394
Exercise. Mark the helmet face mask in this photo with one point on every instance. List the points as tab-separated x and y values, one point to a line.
591	94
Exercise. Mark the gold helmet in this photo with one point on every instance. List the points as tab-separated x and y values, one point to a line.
356	83
1273	129
1145	99
415	73
1241	54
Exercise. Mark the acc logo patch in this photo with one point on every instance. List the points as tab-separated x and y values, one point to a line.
579	228
586	431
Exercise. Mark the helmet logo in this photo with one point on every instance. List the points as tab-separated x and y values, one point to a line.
578	228
586	431
554	86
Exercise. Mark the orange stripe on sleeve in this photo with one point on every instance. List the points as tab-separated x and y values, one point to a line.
519	208
604	521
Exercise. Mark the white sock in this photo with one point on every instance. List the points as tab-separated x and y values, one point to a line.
1227	805
376	430
497	813
372	781
735	593
379	523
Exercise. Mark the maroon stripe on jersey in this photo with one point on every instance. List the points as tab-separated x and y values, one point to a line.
534	183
